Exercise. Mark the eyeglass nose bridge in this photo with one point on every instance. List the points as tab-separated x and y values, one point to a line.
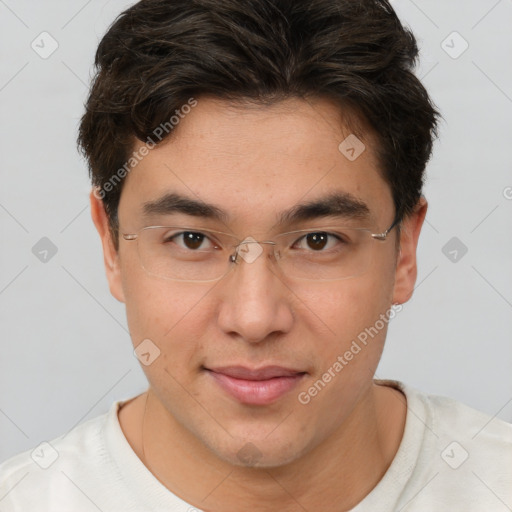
234	257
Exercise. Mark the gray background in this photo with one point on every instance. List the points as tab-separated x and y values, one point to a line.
65	350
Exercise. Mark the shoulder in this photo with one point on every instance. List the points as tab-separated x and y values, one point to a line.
486	436
444	416
55	469
465	458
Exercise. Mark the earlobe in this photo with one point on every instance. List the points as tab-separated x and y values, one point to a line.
110	253
406	268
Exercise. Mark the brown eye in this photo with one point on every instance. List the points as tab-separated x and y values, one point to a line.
317	241
320	241
192	240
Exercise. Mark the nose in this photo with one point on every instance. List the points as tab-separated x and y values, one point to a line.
256	301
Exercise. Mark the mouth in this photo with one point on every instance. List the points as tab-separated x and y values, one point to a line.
261	386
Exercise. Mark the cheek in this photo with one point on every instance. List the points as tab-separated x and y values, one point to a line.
345	321
170	314
152	305
348	356
341	310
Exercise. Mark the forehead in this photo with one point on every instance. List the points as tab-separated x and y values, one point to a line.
254	162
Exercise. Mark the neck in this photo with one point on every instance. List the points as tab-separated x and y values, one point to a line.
335	475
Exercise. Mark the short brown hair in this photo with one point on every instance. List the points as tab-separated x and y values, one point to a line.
158	54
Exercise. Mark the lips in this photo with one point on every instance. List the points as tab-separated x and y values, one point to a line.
268	372
260	386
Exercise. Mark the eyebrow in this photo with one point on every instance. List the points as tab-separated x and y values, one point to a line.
335	204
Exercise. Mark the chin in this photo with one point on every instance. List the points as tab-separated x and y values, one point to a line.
258	452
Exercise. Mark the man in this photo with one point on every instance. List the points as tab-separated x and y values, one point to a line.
257	170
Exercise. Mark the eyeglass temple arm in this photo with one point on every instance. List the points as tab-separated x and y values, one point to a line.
383	236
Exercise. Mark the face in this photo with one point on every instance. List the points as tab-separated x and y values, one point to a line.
254	163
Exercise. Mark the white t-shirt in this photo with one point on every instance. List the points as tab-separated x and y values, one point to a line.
451	458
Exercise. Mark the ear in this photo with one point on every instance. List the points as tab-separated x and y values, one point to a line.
406	268
110	254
